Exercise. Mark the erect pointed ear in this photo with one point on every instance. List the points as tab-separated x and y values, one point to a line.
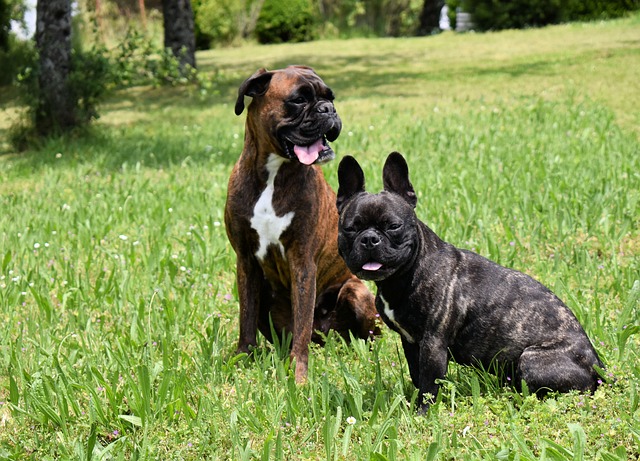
395	178
256	85
350	180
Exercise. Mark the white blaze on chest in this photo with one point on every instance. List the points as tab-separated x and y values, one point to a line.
388	312
265	222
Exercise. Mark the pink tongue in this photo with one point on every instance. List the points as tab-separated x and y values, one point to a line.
372	266
308	154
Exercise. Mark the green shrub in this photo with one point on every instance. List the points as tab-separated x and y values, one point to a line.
517	14
285	21
222	22
88	83
17	55
600	9
94	73
138	61
217	21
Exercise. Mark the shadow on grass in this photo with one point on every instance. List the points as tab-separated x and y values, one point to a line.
156	140
351	76
112	149
140	126
369	74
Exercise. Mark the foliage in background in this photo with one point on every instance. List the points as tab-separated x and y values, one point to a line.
17	55
137	60
587	10
223	22
382	18
96	72
14	53
88	81
290	21
517	14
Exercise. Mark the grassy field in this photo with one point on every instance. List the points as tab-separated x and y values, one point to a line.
117	293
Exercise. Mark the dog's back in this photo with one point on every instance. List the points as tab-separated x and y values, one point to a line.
500	317
447	302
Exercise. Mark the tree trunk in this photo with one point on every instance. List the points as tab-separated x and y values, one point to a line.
57	107
5	25
179	32
143	14
430	16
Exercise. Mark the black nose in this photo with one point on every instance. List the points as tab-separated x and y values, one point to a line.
325	107
370	240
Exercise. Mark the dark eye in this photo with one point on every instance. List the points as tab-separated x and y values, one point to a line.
394	226
299	100
349	229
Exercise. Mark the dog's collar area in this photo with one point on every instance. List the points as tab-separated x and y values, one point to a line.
390	314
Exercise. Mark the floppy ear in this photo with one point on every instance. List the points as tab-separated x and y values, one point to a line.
350	180
395	178
256	85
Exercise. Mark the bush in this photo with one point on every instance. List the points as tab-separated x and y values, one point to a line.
285	21
366	18
94	73
517	14
224	21
600	9
138	61
88	83
18	55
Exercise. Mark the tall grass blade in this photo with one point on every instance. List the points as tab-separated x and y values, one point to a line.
91	441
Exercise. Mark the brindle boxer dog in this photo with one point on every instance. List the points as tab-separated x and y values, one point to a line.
282	222
451	303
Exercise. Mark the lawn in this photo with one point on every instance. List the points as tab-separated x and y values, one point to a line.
117	282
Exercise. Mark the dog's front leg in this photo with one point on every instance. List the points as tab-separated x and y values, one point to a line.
433	366
303	300
248	278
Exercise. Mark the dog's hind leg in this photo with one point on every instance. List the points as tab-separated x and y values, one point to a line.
558	367
356	311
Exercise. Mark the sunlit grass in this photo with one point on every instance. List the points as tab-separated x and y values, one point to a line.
117	291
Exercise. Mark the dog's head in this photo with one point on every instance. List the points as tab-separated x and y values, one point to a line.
377	233
293	109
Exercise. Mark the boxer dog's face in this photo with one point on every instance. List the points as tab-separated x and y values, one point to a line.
297	107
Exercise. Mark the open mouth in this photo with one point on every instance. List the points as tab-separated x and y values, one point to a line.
371	270
318	151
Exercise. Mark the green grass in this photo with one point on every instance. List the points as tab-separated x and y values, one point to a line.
117	293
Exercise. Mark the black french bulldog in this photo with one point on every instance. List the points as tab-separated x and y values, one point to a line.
451	303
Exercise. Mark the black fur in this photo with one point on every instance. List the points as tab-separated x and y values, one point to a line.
451	303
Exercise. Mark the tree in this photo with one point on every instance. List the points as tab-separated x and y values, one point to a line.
430	17
5	25
179	33
56	107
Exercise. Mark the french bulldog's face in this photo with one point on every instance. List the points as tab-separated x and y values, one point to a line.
377	233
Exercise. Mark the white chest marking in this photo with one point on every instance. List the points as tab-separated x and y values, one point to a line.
265	222
391	316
